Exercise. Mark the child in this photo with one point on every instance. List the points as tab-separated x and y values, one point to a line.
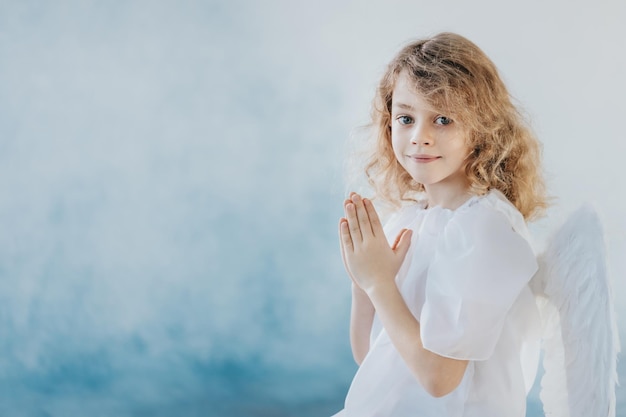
443	322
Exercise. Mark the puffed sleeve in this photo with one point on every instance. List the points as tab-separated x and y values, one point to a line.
480	266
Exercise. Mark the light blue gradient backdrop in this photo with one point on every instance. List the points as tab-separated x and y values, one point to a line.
171	178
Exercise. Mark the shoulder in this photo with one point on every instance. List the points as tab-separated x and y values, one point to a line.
487	233
491	212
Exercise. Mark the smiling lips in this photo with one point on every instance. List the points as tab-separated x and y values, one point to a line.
423	159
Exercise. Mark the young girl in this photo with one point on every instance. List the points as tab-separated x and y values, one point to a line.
443	321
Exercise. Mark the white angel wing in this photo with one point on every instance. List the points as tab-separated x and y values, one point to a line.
580	338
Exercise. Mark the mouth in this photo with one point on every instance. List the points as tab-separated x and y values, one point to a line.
423	159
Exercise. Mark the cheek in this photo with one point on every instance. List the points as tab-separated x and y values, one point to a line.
460	148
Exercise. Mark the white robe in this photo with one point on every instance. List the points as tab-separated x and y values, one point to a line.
465	279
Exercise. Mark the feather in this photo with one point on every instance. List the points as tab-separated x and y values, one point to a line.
580	339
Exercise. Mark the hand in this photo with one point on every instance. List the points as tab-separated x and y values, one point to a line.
368	258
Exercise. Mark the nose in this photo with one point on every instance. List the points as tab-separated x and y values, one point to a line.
421	135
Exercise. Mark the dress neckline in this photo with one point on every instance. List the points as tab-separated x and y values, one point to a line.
424	204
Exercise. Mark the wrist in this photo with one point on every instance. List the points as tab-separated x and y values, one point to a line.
381	290
356	289
359	294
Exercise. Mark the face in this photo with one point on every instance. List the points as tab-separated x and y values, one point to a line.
430	146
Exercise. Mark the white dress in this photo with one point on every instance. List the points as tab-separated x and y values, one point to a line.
465	279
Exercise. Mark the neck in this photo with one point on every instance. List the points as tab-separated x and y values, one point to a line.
448	196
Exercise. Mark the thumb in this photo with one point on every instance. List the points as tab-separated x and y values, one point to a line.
403	243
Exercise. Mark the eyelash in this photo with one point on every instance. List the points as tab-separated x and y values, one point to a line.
448	120
399	119
442	118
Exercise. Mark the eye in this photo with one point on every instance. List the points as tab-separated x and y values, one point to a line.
404	120
443	120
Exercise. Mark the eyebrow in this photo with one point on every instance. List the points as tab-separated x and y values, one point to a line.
402	106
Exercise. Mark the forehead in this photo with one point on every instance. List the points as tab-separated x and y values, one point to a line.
406	95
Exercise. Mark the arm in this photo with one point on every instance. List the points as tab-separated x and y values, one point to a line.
437	374
361	315
373	266
361	319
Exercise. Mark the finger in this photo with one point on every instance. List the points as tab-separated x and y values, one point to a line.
349	199
397	241
345	238
353	224
362	216
375	224
342	238
343	252
404	243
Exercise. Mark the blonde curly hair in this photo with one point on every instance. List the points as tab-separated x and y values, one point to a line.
456	77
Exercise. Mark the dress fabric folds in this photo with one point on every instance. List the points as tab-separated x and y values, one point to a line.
465	279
